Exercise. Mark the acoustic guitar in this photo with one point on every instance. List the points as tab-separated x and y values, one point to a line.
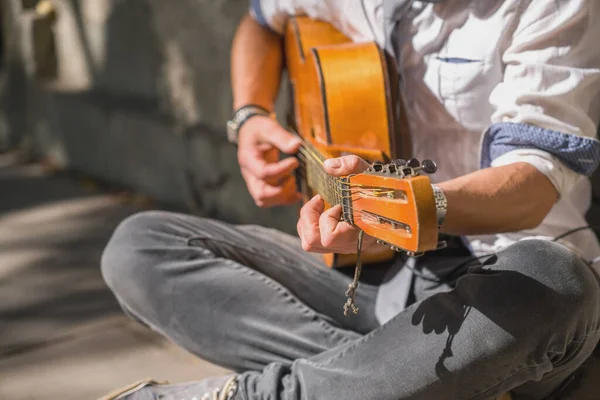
345	103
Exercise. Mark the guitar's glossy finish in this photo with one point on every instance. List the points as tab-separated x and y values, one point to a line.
343	100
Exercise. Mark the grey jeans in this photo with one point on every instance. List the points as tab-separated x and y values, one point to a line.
248	298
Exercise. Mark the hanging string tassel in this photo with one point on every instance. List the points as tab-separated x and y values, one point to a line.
350	304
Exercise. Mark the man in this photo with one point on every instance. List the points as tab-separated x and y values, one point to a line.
503	308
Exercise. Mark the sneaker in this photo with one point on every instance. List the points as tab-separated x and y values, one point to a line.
220	388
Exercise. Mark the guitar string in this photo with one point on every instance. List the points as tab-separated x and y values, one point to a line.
328	184
334	179
308	150
357	194
374	191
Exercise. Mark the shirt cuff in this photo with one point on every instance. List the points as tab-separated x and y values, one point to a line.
579	153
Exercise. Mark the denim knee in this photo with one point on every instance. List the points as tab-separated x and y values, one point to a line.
120	264
572	290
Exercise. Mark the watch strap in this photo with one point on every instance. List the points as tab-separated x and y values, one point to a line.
441	204
240	117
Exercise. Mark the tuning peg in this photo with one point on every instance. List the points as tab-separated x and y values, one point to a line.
376	167
413	163
429	166
399	162
392	169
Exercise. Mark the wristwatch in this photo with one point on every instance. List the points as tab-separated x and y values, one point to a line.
240	117
441	204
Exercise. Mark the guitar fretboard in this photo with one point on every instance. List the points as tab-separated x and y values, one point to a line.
334	190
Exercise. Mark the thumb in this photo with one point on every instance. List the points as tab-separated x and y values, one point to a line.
345	165
281	138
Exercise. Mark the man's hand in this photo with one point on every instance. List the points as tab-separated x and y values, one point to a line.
323	231
269	179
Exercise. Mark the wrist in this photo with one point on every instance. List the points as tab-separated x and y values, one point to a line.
241	116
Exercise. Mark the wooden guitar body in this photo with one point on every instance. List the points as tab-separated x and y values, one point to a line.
345	101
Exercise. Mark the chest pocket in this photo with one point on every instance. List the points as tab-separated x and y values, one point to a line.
460	76
469	60
466	78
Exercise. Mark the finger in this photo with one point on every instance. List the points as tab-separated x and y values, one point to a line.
330	219
336	234
272	156
290	193
345	165
308	225
312	210
264	170
265	195
285	141
310	238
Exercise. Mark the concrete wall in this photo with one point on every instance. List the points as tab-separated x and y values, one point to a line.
137	94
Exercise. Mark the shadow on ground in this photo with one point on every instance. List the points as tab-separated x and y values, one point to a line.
62	333
51	236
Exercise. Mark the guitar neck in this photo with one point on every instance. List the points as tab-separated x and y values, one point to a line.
390	202
333	190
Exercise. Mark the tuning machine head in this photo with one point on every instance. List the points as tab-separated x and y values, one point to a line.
403	168
414	166
429	166
375	167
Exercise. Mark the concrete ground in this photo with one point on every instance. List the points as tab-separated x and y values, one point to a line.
62	334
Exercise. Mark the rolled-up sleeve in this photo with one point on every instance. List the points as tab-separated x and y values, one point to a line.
548	105
269	13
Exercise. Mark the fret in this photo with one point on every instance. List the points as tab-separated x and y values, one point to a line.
330	188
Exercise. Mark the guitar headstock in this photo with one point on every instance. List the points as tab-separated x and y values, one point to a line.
395	204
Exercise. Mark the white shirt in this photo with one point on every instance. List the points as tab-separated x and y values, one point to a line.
476	76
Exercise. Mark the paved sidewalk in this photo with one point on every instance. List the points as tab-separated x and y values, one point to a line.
62	335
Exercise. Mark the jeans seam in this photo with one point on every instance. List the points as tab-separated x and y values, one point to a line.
269	281
350	348
240	248
286	294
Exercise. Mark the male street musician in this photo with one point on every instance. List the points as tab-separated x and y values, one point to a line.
505	97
